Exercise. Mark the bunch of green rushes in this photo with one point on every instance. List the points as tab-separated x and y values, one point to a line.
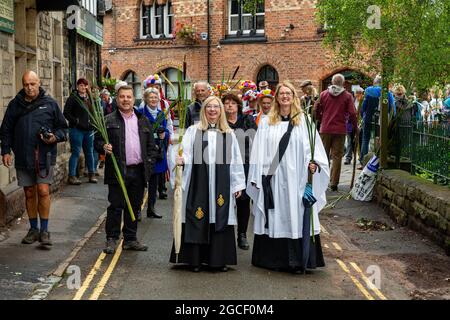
97	118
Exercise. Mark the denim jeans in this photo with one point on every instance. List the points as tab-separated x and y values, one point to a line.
81	139
365	139
349	143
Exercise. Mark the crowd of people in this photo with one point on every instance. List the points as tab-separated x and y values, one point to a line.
244	152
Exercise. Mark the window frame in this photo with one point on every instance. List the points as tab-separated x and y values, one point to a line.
150	21
240	17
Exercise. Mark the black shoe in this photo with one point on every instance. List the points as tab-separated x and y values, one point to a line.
242	241
153	215
31	237
333	188
44	238
134	245
110	246
162	196
223	269
347	161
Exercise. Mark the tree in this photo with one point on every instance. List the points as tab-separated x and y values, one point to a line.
409	41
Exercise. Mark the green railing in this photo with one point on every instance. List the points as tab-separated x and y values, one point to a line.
430	151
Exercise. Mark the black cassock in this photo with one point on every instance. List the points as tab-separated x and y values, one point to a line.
203	242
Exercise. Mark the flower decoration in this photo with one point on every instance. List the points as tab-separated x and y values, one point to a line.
188	33
248	84
152	80
266	93
250	95
221	89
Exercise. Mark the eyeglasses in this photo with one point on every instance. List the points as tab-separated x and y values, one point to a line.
209	106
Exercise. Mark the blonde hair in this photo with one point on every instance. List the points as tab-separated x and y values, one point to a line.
222	124
399	89
274	115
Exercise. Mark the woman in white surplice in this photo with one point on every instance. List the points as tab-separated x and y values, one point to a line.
283	236
210	188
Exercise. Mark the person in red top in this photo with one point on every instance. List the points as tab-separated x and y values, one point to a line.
331	110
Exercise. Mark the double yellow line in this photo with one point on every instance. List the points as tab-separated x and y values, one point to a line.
357	283
105	278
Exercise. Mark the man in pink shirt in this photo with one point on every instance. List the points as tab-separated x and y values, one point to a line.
133	145
331	110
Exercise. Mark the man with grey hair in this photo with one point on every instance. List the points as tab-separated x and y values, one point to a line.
331	110
201	91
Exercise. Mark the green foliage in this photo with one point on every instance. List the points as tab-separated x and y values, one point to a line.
251	5
110	84
412	44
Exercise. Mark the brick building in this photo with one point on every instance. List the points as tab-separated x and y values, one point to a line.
34	35
282	42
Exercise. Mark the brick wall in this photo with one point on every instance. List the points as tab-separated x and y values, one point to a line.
296	55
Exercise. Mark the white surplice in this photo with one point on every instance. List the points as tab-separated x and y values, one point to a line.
289	180
237	174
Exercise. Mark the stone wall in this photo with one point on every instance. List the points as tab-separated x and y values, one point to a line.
417	203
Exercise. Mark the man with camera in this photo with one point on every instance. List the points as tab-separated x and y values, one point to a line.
131	140
32	126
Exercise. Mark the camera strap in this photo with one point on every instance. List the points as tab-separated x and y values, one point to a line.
36	164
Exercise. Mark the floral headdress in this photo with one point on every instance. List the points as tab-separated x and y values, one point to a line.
266	93
151	80
250	95
248	84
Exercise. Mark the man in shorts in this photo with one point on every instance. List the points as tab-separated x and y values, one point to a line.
32	126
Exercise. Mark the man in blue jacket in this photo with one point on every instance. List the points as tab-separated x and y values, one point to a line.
369	107
32	126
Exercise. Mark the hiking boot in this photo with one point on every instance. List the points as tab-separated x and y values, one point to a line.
110	247
44	238
242	241
92	178
74	181
31	237
134	245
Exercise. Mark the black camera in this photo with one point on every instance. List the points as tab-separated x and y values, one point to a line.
46	132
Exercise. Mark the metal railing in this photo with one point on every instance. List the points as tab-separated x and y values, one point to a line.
430	151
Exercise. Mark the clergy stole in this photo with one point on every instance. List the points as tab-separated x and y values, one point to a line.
197	204
266	179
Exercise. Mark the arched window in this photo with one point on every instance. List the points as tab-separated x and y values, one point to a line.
170	93
132	79
156	20
269	74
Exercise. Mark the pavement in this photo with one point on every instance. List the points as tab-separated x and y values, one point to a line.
400	262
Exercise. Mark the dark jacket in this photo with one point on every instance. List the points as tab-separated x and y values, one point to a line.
245	122
193	113
115	126
20	130
77	114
